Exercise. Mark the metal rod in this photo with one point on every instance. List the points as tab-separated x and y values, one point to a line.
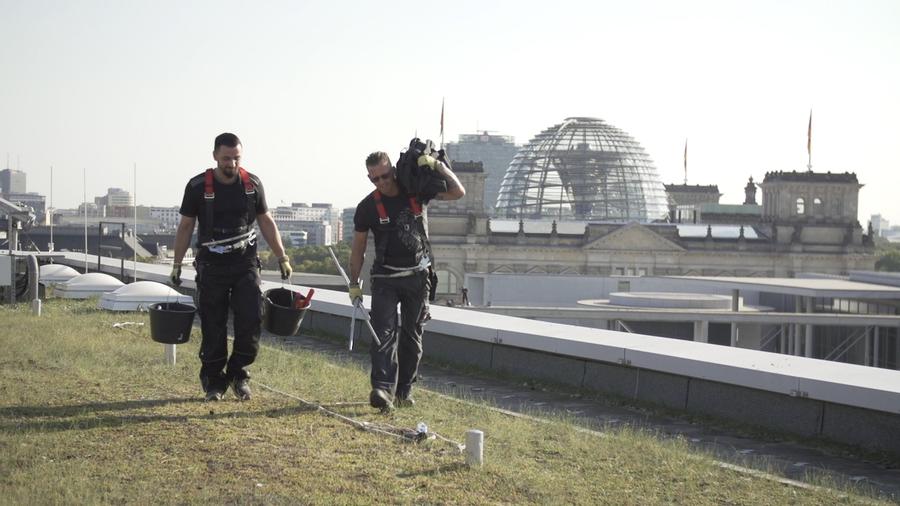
357	305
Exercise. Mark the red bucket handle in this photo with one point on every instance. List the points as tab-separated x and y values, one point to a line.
300	301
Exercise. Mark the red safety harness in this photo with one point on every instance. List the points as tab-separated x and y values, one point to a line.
209	197
209	192
383	217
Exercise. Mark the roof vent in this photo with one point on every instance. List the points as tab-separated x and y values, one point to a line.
139	295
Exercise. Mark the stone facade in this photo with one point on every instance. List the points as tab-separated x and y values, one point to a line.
826	238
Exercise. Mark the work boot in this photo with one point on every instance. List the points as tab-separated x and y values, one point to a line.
381	399
404	399
405	402
214	394
241	389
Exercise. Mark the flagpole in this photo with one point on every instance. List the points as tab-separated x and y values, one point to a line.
685	161
134	236
50	246
84	199
809	143
442	122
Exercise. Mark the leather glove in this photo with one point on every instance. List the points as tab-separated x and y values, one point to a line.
175	276
355	293
428	161
284	264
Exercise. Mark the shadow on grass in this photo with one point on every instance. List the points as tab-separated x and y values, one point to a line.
9	423
446	468
77	409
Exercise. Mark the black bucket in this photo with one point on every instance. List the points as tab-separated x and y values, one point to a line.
283	311
171	322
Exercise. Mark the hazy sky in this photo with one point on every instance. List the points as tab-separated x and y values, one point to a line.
313	87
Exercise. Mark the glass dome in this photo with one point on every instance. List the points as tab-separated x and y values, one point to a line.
582	169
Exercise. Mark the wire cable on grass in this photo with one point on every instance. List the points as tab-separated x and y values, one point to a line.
408	435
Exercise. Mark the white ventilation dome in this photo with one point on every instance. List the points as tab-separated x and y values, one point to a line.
88	285
56	273
139	295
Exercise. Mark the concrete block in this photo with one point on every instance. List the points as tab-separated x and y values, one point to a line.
456	350
874	430
612	378
541	366
757	407
661	388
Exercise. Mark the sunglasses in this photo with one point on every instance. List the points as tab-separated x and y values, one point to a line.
383	177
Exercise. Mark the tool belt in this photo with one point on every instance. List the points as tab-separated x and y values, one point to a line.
235	243
401	272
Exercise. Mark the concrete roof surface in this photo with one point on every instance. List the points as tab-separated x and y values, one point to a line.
809	287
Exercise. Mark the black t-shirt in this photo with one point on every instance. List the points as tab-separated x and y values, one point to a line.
230	215
403	241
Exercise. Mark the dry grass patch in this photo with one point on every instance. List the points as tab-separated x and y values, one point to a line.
90	414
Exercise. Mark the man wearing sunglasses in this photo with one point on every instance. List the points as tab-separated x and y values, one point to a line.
400	273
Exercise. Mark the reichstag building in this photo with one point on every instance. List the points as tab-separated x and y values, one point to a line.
584	198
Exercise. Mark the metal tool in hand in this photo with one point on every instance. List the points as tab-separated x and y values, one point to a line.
357	306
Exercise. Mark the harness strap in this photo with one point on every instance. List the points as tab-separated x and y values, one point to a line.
383	217
209	197
249	189
234	239
249	194
232	243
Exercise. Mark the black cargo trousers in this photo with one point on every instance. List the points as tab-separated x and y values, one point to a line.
395	363
220	288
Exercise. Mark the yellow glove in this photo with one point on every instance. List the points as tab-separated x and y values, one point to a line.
284	264
355	292
428	161
175	276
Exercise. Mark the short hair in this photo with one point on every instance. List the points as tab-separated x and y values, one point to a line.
377	158
226	139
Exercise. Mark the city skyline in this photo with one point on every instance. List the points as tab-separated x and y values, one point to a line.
311	90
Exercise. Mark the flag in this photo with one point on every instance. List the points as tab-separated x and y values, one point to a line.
442	116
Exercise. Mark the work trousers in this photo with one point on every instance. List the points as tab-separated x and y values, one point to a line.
220	288
395	363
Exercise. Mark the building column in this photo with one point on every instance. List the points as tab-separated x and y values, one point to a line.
701	331
782	339
789	337
876	348
867	346
735	306
897	344
808	346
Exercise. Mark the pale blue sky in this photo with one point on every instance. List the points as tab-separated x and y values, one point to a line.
312	87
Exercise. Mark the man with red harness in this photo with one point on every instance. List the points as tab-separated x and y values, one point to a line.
226	201
400	273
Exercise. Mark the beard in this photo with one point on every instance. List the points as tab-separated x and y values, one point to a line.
229	171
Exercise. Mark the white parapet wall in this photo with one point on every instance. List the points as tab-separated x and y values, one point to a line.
811	397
